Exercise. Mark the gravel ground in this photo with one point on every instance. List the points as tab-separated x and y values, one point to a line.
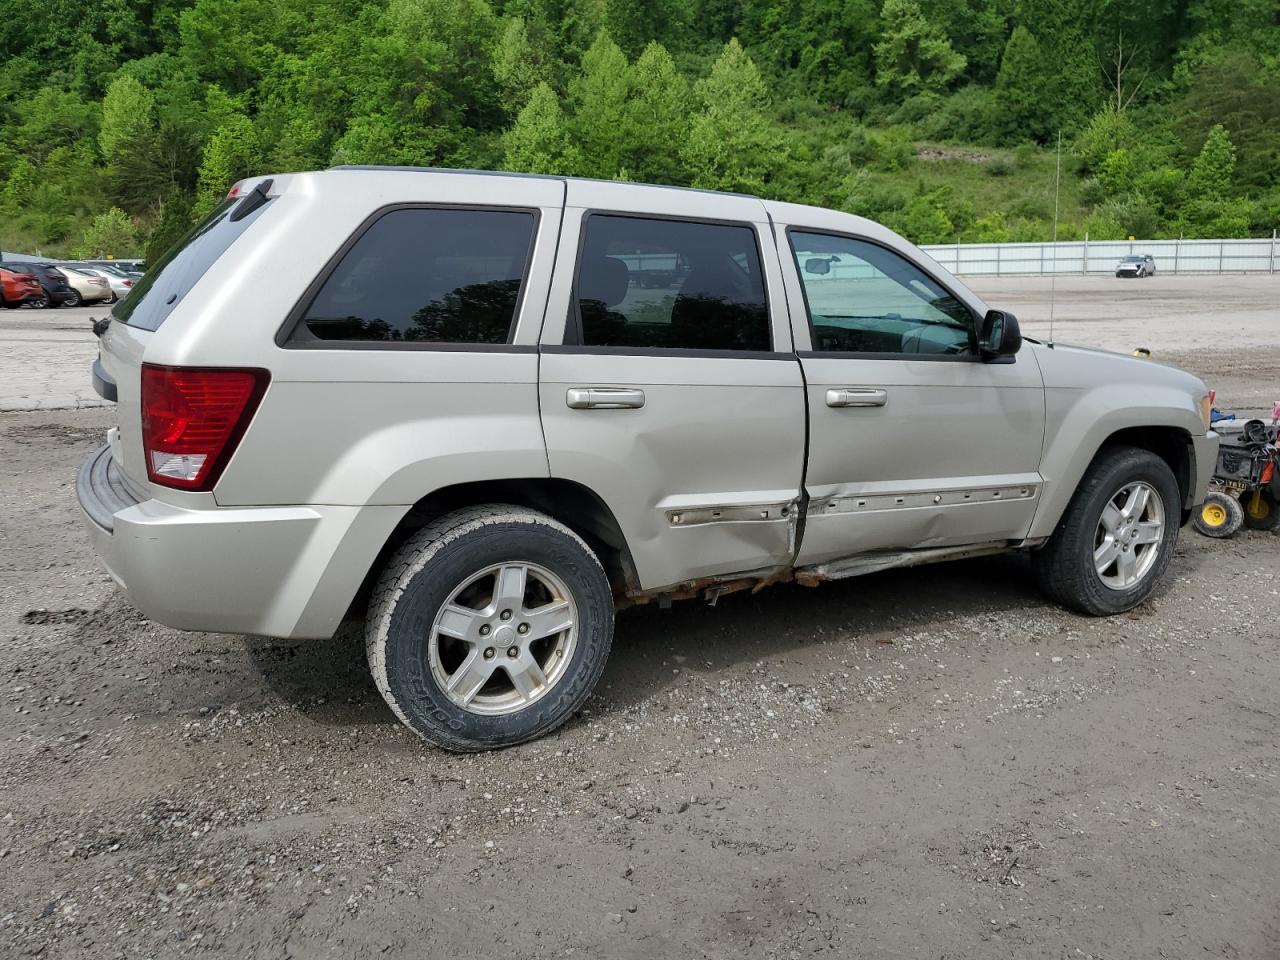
875	768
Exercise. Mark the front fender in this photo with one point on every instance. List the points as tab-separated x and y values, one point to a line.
1079	421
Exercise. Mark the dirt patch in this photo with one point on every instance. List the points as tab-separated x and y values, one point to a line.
922	762
952	153
58	433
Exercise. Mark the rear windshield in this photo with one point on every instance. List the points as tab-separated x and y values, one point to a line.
162	287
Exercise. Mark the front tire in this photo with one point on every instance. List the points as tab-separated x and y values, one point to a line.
1115	538
489	627
73	300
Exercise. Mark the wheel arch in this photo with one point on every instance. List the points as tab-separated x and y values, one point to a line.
1171	443
575	505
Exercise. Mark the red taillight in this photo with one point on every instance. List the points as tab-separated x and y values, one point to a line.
192	420
127	283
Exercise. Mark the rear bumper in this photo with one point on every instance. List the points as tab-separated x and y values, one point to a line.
275	571
1205	449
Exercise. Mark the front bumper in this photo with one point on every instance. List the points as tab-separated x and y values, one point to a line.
275	571
1205	450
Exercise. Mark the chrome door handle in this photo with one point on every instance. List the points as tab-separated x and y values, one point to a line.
857	397
604	398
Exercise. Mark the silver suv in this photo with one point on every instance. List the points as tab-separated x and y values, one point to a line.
485	410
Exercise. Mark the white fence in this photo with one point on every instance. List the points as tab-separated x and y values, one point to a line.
1101	256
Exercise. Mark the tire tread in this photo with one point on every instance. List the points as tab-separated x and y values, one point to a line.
410	559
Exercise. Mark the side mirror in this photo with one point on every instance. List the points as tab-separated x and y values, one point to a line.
999	335
817	265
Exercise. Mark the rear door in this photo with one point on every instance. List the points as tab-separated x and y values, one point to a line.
915	440
668	382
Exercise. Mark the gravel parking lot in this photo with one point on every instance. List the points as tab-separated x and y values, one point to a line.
919	763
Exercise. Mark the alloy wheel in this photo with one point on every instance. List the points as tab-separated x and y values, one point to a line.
1129	536
503	638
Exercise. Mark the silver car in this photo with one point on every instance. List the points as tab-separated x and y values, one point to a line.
481	411
87	287
1137	265
120	283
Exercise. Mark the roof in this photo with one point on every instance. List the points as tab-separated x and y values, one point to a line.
534	176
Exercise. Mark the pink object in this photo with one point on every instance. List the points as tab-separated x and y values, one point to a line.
1275	414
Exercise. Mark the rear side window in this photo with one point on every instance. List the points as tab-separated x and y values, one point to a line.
426	275
671	284
163	286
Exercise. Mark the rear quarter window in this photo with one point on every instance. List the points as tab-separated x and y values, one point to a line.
423	275
163	286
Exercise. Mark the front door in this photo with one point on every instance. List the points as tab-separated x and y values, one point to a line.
916	441
668	381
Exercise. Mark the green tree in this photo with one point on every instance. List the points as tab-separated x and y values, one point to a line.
732	143
655	119
228	157
924	220
599	96
1020	87
110	234
129	141
1212	173
1108	130
517	64
539	142
913	53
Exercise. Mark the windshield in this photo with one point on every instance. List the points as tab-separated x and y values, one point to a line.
161	288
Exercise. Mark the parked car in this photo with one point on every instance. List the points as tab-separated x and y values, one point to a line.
436	399
130	268
85	287
1138	265
17	289
119	283
55	291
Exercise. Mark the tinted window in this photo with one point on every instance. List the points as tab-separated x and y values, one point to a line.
863	298
153	297
671	284
427	276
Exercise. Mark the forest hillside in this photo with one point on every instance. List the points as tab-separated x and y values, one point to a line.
123	121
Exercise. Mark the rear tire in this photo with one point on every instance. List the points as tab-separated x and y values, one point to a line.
1262	515
1219	516
489	627
1109	551
73	300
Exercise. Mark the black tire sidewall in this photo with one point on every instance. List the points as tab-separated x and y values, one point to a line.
1233	509
1136	466
1270	522
426	707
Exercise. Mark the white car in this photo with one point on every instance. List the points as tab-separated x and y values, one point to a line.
118	281
1138	265
87	287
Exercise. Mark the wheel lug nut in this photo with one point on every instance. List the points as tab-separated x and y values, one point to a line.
490	653
484	629
523	628
513	652
506	614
